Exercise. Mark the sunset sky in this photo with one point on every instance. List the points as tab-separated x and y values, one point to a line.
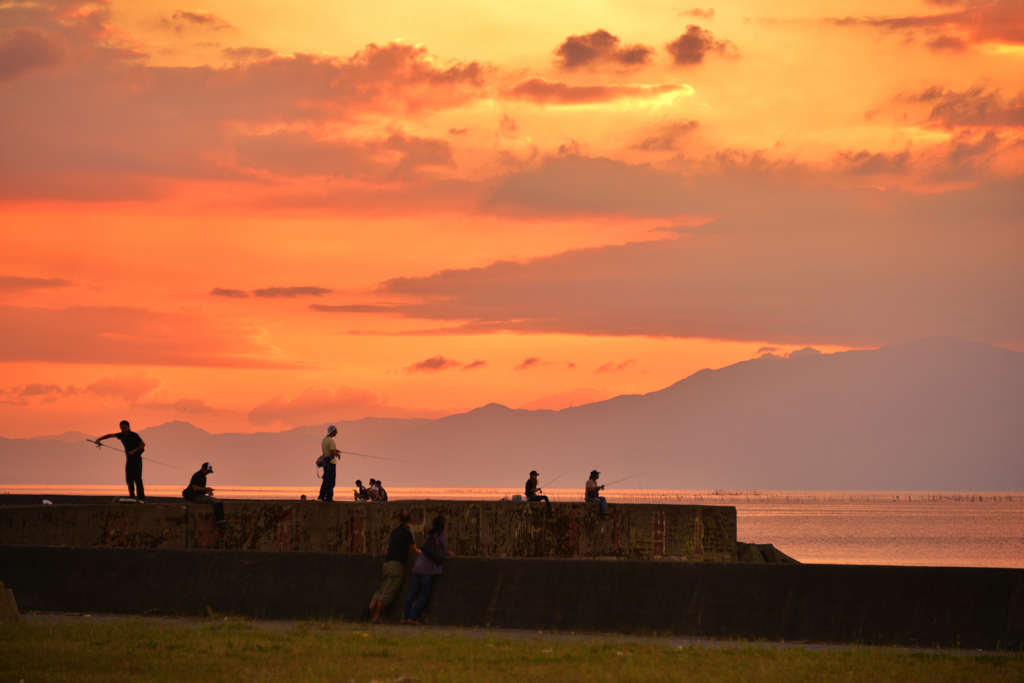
257	215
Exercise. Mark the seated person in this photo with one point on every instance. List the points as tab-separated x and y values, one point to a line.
382	495
198	492
361	493
373	491
533	493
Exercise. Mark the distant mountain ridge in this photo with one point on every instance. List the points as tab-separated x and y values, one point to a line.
933	414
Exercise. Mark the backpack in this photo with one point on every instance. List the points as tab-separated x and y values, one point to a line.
432	550
322	461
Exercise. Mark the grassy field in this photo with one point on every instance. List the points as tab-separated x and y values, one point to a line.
213	650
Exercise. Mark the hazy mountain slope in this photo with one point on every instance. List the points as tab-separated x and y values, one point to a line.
930	414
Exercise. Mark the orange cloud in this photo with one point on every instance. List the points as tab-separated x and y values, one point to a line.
290	292
127	387
615	367
541	91
433	365
124	336
1002	21
13	283
315	406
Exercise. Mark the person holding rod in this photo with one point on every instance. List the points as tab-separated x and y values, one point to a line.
133	448
591	491
533	491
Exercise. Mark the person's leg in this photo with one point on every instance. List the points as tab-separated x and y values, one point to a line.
129	479
546	502
330	479
604	505
138	485
426	586
417	580
323	484
218	510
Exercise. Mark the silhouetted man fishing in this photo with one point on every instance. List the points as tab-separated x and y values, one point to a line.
533	491
198	492
591	491
133	449
331	453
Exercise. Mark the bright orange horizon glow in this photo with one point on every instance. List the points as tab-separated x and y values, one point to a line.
254	216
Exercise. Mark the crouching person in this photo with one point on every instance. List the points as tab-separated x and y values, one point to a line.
426	569
401	544
198	492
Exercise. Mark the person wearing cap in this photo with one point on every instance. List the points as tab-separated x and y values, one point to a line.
533	492
331	452
198	492
133	449
590	493
401	544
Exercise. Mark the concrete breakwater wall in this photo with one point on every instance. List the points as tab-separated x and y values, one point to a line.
693	533
914	606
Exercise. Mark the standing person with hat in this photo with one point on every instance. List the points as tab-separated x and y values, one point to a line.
533	492
198	492
590	493
331	452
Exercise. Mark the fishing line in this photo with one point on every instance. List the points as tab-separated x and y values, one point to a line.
624	479
555	479
143	457
375	457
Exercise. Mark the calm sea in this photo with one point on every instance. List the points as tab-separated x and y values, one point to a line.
969	529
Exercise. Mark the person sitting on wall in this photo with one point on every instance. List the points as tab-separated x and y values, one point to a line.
590	494
373	492
198	492
533	493
401	544
382	495
360	492
427	568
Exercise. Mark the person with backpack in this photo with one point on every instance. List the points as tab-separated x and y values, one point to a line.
427	568
330	464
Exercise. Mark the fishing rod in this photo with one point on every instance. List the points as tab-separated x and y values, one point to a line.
624	479
375	457
98	444
554	480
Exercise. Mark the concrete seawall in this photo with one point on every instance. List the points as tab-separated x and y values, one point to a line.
915	606
692	533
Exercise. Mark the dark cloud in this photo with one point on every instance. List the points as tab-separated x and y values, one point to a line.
474	365
299	154
693	46
698	13
614	367
26	394
665	137
947	44
433	364
13	283
290	292
247	54
27	48
866	163
458	131
872	267
768	349
979	105
1002	21
356	308
541	91
230	293
185	19
529	363
600	48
